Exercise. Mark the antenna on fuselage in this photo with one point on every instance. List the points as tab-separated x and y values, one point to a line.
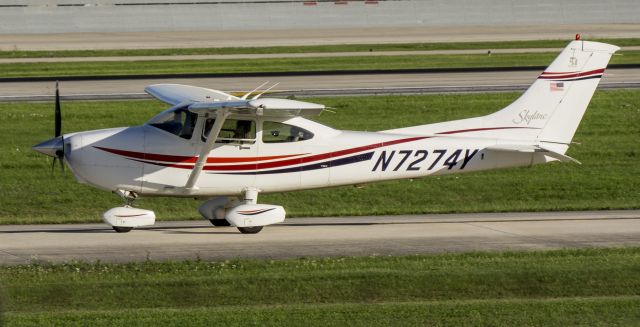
244	97
265	91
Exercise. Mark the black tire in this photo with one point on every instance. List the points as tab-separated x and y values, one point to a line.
250	230
122	229
220	222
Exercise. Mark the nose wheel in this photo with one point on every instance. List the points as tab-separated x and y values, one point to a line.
250	230
122	229
124	219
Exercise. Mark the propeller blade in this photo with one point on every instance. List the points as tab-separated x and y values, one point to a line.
61	159
58	116
53	164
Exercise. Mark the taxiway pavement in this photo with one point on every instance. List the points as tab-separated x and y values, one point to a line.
315	237
308	84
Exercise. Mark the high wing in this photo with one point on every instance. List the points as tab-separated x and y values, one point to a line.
176	93
202	100
262	107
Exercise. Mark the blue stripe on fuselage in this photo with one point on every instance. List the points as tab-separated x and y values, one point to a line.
321	165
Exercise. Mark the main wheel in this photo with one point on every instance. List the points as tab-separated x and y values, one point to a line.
122	229
219	222
250	230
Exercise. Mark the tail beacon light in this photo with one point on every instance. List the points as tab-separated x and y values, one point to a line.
250	215
129	217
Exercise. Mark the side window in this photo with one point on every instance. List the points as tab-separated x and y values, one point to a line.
233	131
275	132
180	122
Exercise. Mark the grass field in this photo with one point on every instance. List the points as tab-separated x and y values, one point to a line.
222	66
608	178
309	49
592	287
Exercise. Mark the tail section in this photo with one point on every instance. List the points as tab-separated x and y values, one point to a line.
550	110
557	100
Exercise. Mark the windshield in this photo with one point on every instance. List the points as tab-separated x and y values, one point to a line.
180	122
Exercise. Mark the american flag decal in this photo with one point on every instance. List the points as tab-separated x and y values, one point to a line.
556	86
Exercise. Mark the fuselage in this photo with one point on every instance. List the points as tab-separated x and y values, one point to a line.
278	154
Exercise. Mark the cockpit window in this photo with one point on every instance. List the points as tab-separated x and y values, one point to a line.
233	131
179	122
276	132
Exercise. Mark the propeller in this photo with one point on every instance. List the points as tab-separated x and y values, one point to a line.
55	146
59	154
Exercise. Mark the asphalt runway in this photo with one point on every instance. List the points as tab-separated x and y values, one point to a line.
321	237
308	84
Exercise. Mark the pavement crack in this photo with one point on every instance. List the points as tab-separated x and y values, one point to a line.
13	255
533	238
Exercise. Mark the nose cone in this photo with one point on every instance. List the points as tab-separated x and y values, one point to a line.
53	147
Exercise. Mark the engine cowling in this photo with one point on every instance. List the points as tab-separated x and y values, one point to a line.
250	215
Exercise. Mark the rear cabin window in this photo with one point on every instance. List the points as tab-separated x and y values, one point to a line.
276	132
233	131
179	122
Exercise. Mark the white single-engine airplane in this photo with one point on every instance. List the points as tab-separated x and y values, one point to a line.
213	144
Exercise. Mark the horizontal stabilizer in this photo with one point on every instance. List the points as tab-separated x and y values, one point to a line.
530	148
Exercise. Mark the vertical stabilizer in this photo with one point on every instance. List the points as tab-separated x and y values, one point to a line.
557	100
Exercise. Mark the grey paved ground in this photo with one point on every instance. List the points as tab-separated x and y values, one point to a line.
329	84
304	237
262	38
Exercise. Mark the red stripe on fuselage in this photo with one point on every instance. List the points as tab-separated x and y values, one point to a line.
187	159
482	129
148	157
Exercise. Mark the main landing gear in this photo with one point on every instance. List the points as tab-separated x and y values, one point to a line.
246	215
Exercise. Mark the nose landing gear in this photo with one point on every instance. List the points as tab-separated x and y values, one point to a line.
126	218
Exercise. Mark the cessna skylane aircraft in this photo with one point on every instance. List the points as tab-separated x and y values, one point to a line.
228	149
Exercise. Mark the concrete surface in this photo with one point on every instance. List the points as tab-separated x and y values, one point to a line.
99	16
305	237
20	40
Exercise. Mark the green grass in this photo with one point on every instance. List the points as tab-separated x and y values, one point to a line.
221	66
308	49
607	179
551	312
586	287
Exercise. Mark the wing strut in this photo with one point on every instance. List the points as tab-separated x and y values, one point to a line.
221	116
